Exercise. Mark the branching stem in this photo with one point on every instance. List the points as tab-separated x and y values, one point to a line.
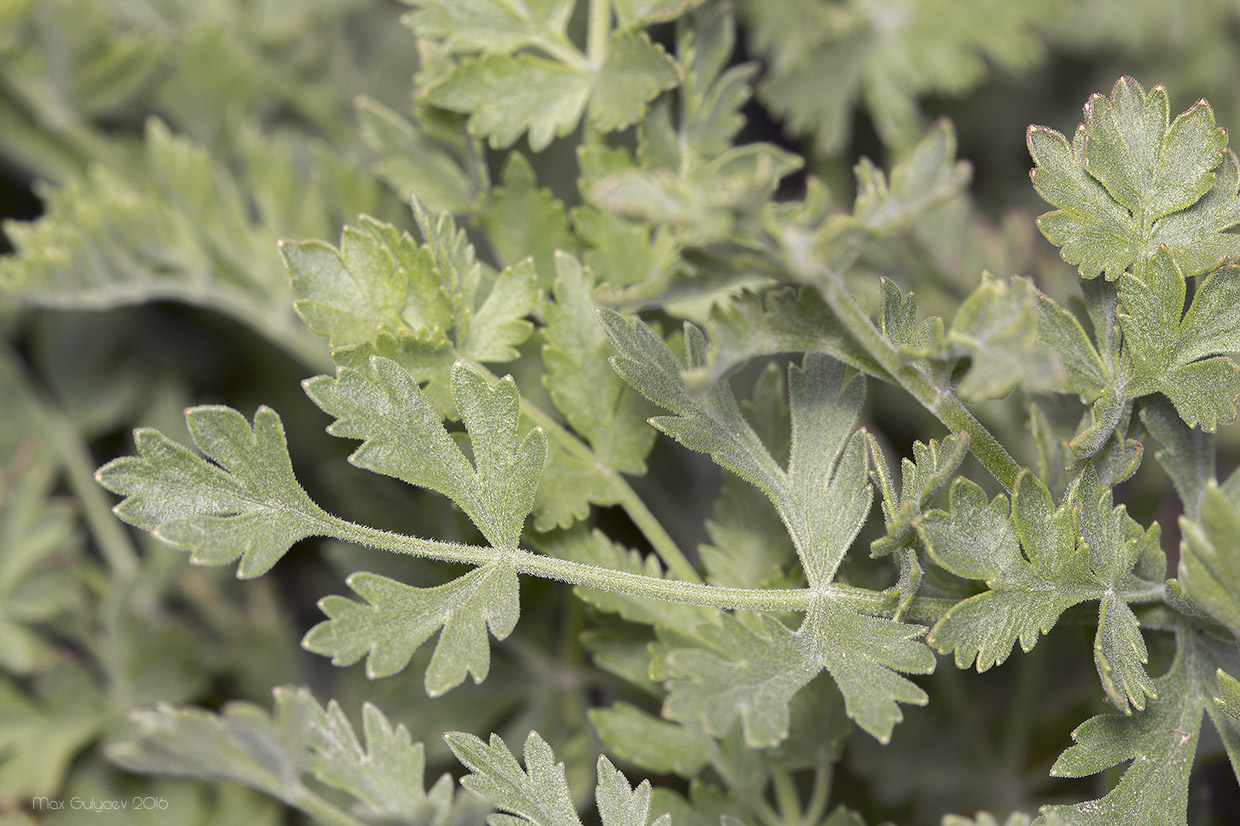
940	401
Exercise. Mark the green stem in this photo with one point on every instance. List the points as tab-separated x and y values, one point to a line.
605	579
650	527
821	791
940	401
575	573
600	29
787	800
653	530
66	444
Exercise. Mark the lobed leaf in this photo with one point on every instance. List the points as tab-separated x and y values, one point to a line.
536	795
396	619
1133	181
1161	742
403	436
247	504
277	752
610	416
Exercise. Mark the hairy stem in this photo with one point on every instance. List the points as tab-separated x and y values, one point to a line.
654	532
940	401
605	579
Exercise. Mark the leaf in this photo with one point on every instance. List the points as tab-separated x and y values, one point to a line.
980	540
525	221
410	162
537	795
653	744
824	403
365	288
634	72
927	174
620	805
396	619
1133	181
1209	567
247	504
277	752
1162	355
41	732
598	405
183	224
488	25
1161	742
996	326
1187	454
40	541
1060	332
386	776
921	478
404	437
745	671
777	321
883	63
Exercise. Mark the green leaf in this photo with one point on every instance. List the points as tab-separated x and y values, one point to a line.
633	13
1133	181
536	795
823	498
1187	454
745	670
655	745
183	224
932	465
411	163
247	504
996	326
598	405
1161	742
396	619
777	321
378	281
489	25
507	96
881	61
980	540
1028	592
619	804
386	775
927	174
1163	356
404	437
41	732
1060	332
277	752
634	72
40	554
525	221
1209	570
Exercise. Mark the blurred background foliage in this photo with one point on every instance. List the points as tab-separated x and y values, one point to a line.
152	152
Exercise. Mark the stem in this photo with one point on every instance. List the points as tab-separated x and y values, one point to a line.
940	401
576	573
654	531
65	443
787	801
650	527
863	601
600	28
821	791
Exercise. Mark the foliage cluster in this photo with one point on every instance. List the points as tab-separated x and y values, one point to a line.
515	242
